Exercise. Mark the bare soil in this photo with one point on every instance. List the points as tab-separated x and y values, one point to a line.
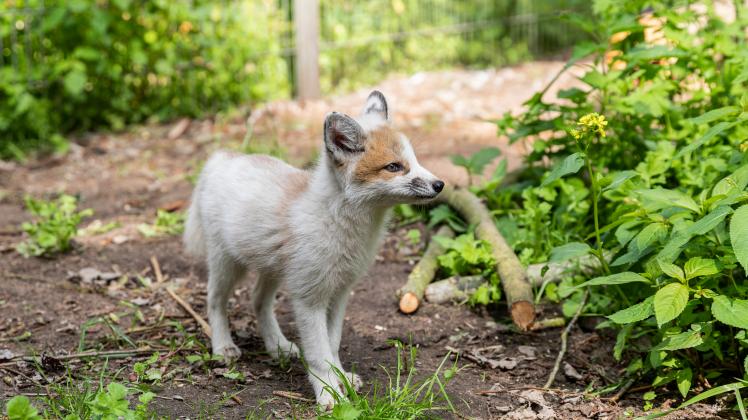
125	177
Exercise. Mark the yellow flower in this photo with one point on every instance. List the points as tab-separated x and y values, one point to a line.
744	147
590	123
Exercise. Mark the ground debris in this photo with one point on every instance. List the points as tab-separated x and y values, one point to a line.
537	407
571	372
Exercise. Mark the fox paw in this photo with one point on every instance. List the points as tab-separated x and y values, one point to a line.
229	352
355	380
285	350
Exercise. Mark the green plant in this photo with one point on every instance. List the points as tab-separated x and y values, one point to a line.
475	164
20	408
656	189
404	398
84	64
109	404
147	370
56	225
166	223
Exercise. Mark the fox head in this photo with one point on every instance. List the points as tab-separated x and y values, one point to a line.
372	161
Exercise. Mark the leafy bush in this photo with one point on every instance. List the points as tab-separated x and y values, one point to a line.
56	225
654	187
86	64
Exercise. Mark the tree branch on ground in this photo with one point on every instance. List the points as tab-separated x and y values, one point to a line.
423	273
517	288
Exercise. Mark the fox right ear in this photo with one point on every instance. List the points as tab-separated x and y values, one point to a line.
343	135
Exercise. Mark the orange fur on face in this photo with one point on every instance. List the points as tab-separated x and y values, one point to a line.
382	147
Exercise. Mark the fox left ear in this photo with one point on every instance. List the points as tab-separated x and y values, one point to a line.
376	104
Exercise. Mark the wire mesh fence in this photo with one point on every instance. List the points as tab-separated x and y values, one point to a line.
362	40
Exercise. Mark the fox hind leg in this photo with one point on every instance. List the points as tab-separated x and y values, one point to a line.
223	275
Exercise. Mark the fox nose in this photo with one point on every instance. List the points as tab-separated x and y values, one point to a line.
438	186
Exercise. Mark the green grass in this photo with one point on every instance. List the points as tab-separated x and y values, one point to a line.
405	396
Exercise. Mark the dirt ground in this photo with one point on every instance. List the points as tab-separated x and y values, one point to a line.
125	177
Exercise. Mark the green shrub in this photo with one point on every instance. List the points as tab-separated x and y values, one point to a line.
654	188
56	225
87	64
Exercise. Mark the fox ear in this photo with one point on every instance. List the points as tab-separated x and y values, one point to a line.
343	135
376	104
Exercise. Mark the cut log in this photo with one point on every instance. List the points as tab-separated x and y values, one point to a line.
517	288
423	273
453	289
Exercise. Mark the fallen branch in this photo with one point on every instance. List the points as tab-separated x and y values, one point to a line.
187	307
624	389
514	281
423	273
453	289
564	340
295	396
81	355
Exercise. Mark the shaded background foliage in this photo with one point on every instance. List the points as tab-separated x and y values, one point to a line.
71	66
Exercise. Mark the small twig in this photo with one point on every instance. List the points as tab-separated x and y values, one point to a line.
548	323
204	325
81	355
157	269
291	396
621	392
564	338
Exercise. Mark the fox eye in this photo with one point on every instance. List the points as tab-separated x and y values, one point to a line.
394	167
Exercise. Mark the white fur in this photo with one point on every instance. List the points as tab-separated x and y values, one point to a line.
319	244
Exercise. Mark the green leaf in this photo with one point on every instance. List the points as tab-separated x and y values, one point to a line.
621	339
660	198
652	233
619	179
715	114
701	397
710	221
698	267
645	53
75	81
739	235
618	278
345	411
482	158
570	165
669	302
684	340
684	381
677	241
710	134
735	182
730	311
20	408
672	270
635	313
570	250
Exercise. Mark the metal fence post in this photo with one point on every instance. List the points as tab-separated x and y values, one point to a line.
306	28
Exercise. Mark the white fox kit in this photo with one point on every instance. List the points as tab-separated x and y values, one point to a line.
318	231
